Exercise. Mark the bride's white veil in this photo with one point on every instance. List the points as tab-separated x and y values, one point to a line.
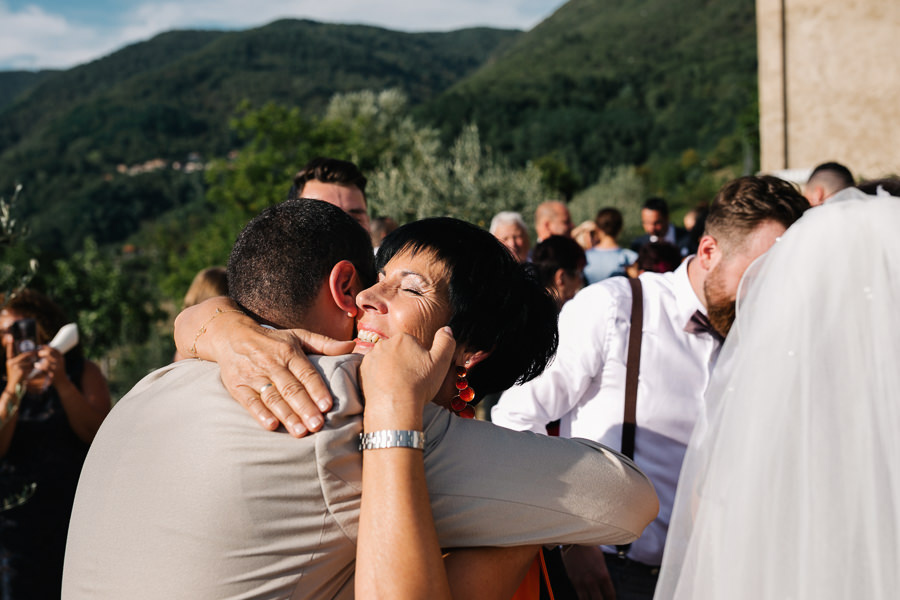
791	484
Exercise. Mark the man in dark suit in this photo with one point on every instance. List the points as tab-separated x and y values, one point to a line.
655	221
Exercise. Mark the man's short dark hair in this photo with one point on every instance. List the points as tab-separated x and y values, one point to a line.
747	202
284	255
328	170
609	221
833	176
657	204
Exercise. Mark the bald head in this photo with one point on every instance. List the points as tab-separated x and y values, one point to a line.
552	218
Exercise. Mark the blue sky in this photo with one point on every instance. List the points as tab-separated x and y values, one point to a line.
42	34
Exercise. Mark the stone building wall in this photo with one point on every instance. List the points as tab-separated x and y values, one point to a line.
829	84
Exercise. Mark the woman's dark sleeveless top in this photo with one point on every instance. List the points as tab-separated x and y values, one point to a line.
38	477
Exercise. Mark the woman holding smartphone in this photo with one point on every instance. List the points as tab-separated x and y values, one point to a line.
50	409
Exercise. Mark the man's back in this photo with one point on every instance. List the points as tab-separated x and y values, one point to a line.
183	495
171	503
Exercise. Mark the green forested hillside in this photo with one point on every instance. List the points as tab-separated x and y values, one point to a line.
173	96
609	82
606	100
14	83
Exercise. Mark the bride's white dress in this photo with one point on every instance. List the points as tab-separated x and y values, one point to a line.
791	484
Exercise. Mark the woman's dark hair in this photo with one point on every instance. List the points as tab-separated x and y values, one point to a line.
497	304
609	221
658	257
554	253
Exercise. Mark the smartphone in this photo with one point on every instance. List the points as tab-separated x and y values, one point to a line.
24	332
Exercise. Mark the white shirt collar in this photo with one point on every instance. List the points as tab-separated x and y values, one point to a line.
686	299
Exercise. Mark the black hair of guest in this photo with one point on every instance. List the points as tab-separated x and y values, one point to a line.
328	170
554	253
833	175
282	257
658	257
497	304
891	185
657	205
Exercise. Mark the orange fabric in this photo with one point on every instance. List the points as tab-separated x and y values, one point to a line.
530	588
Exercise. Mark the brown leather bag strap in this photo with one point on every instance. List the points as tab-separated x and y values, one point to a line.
633	367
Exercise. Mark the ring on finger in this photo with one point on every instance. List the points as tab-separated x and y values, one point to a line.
265	387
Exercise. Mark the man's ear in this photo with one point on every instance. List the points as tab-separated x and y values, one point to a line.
709	253
343	283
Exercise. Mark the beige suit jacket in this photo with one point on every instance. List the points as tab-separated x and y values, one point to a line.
183	495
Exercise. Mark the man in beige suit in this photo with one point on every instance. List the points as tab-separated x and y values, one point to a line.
183	495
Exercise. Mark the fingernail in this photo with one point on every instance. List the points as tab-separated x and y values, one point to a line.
315	422
270	422
299	429
323	405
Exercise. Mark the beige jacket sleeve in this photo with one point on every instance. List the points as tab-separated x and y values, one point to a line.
491	486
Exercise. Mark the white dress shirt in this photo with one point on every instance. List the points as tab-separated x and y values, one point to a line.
584	386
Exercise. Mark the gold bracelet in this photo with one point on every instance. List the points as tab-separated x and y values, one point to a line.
193	351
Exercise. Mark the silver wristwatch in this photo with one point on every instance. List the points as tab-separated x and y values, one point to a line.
392	438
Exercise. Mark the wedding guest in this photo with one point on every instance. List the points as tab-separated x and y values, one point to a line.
208	283
337	182
686	313
801	461
658	228
825	181
559	262
585	234
606	258
183	494
552	218
50	408
510	229
655	257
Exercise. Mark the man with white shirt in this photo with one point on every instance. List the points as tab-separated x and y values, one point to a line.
686	313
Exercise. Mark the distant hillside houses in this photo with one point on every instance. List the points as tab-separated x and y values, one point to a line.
193	164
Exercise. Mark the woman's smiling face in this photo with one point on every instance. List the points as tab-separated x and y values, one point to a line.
411	296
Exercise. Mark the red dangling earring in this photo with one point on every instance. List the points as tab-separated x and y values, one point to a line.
460	403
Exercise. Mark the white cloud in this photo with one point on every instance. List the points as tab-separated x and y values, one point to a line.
32	38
